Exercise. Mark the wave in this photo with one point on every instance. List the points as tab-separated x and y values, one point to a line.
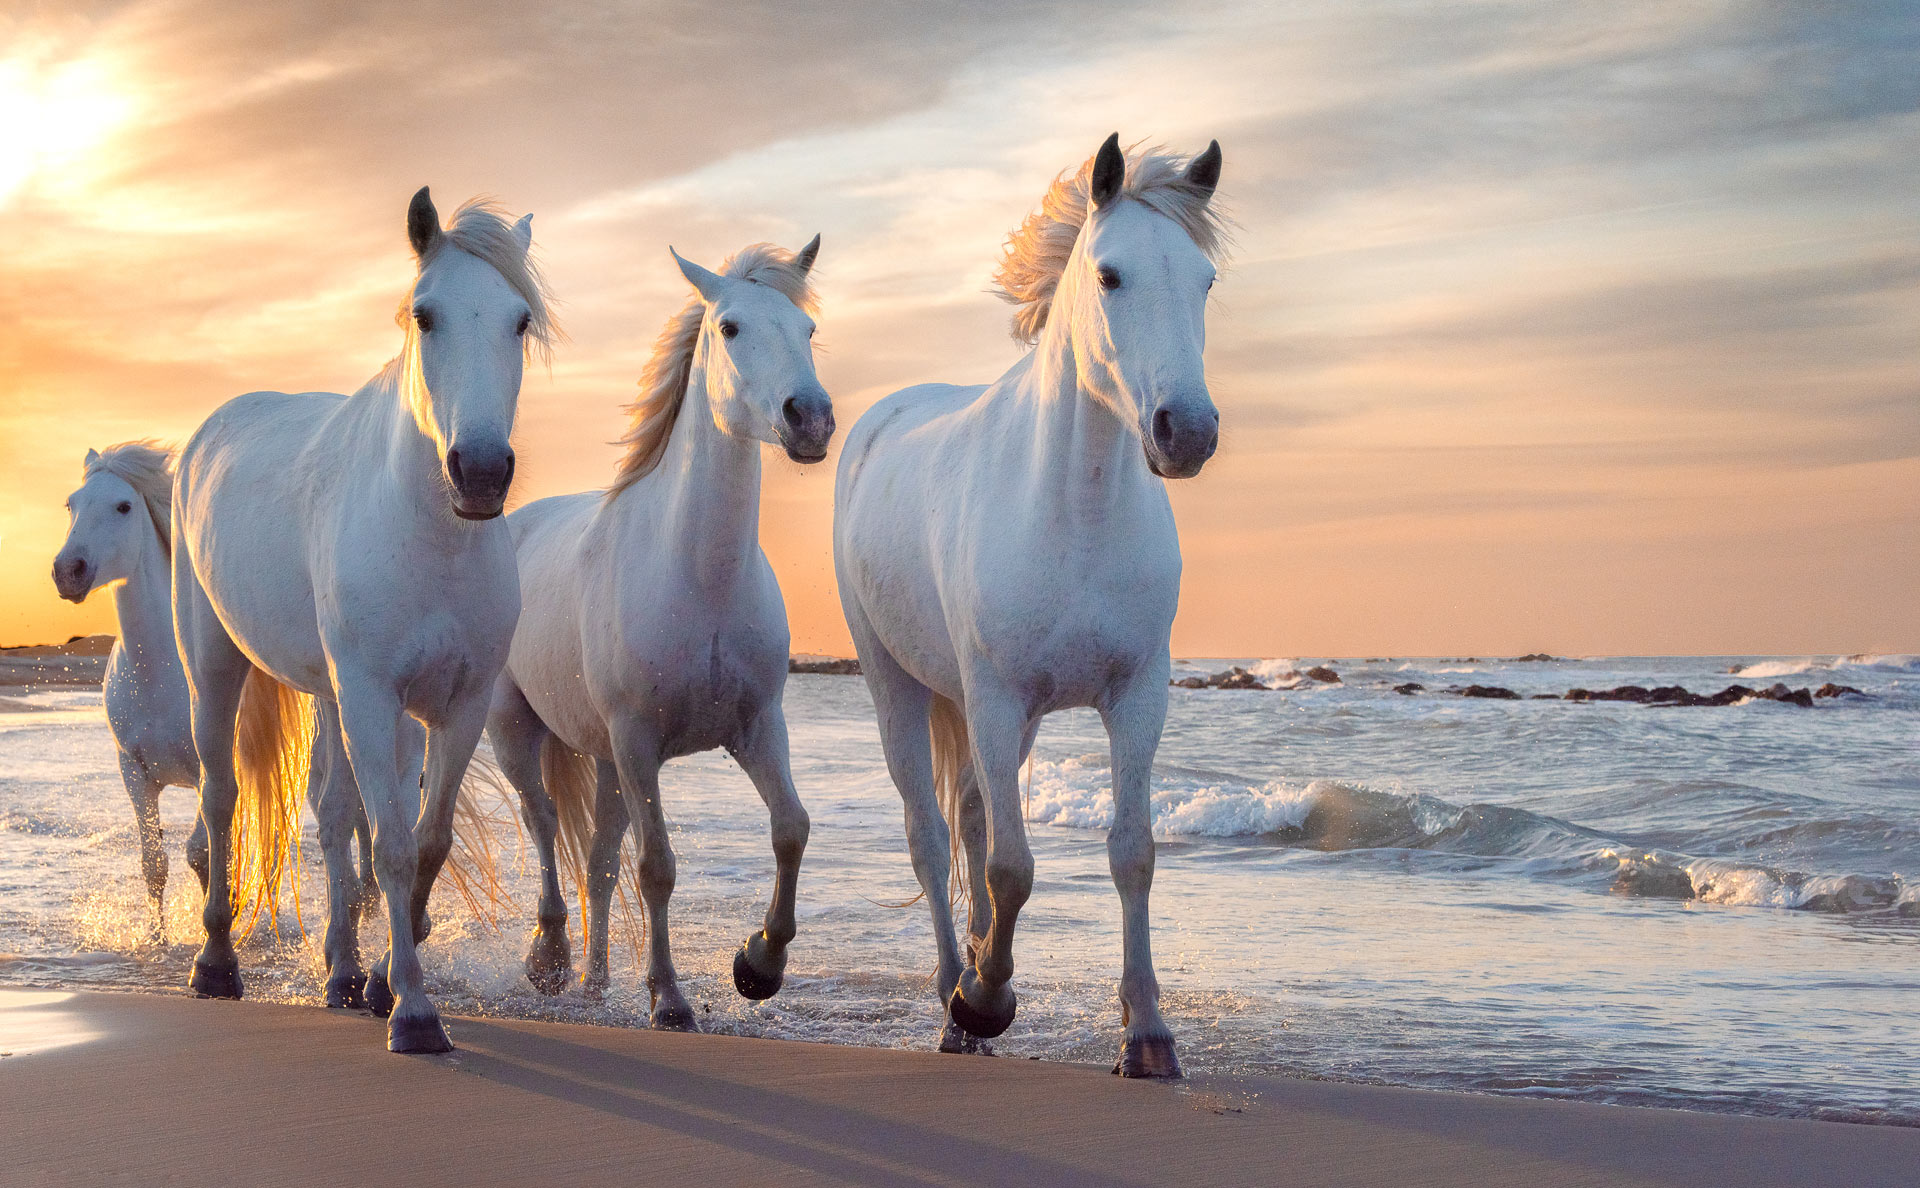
1787	668
1332	816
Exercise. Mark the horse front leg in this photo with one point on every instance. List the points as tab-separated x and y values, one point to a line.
984	1003
1134	721
637	756
760	965
370	720
145	795
335	801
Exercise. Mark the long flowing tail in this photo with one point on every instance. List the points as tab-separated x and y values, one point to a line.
952	754
272	744
483	813
573	784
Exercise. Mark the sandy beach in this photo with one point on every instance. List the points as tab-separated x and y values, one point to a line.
155	1089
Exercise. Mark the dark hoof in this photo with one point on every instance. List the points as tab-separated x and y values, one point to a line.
417	1035
347	992
673	1018
548	977
380	998
986	1024
215	981
750	982
955	1041
1148	1057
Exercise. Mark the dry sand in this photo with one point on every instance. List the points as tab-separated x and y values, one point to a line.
154	1089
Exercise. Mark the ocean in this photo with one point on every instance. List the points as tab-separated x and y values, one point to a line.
1707	907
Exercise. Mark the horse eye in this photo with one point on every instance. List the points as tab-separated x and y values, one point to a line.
729	329
526	319
124	507
1109	279
423	319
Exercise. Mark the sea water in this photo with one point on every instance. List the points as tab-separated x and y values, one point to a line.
1713	907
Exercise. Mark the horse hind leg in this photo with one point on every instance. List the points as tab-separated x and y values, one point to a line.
610	823
519	738
760	965
335	800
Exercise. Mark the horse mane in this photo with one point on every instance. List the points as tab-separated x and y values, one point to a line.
147	467
663	383
1036	255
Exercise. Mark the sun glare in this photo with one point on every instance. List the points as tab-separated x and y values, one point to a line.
51	117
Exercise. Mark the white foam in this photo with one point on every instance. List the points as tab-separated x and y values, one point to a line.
1077	794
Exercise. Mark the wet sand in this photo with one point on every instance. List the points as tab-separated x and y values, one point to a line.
155	1089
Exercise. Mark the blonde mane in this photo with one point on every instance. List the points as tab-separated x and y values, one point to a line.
1036	255
147	467
663	383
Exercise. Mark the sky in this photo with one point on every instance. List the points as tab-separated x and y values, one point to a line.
1548	327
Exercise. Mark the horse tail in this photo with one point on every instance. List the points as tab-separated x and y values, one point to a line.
952	756
573	785
272	748
482	813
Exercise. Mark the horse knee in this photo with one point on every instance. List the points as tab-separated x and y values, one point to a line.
790	836
1010	879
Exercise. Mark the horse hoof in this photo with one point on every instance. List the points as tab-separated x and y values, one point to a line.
215	981
417	1034
347	992
955	1041
750	982
984	1024
1148	1056
380	998
549	977
673	1018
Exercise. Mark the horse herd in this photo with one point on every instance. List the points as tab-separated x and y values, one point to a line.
320	591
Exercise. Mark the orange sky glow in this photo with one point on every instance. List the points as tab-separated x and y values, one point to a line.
1585	329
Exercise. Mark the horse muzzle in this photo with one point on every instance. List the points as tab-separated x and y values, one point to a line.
1180	438
806	426
73	578
480	480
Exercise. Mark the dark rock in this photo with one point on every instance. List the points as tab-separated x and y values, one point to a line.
1780	692
1323	674
1493	691
1544	697
824	667
1832	690
1192	682
1409	689
1652	880
1534	658
1235	678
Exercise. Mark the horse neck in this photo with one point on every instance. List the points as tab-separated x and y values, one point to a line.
412	474
710	512
144	605
1084	451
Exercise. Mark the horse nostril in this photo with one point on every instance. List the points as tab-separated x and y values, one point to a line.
506	479
1163	430
790	412
453	468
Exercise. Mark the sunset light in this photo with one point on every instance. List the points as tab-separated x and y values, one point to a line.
52	116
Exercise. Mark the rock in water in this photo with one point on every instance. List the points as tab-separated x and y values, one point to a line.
1493	691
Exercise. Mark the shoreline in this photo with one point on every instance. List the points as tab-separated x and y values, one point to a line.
220	1092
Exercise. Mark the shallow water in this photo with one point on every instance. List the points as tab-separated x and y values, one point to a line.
1352	883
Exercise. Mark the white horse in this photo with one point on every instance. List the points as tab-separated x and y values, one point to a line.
349	547
1007	551
653	626
122	536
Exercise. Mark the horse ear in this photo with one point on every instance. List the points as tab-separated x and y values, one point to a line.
804	260
705	283
92	457
423	224
1109	171
523	233
1203	172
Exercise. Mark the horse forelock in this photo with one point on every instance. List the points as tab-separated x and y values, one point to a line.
1036	254
147	467
663	382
